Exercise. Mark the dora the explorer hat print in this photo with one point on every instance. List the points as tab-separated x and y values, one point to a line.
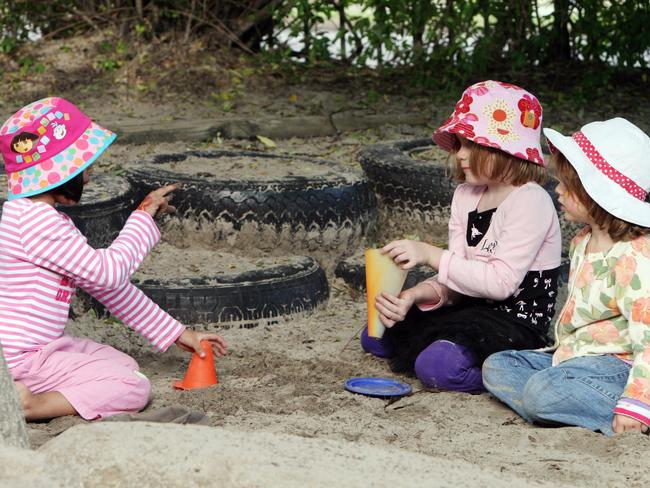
499	115
47	143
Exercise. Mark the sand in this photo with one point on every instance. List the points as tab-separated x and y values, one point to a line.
168	261
433	155
281	417
287	380
245	167
171	455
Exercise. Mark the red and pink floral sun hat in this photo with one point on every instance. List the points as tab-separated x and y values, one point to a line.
499	115
47	143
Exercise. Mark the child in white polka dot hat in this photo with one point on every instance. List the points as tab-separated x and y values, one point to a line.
597	375
48	147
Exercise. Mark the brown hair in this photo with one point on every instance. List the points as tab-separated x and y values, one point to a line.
618	229
498	165
23	136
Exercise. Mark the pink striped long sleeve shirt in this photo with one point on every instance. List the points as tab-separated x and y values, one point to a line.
43	257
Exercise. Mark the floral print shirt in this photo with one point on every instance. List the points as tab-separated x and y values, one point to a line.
608	312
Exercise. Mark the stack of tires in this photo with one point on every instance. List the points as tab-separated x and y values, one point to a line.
331	207
287	218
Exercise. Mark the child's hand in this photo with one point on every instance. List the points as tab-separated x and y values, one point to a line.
190	340
393	309
621	423
408	254
156	203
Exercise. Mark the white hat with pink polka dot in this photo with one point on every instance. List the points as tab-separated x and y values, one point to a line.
612	159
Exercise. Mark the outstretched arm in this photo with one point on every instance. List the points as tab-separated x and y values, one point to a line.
50	240
138	312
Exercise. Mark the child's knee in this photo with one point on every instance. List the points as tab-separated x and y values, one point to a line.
136	389
494	366
141	390
445	365
539	399
124	360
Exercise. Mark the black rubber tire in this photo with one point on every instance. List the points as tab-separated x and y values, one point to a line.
353	273
405	184
104	208
339	201
239	297
105	205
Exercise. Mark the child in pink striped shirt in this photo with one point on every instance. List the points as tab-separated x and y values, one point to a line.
48	147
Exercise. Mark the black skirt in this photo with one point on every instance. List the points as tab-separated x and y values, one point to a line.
478	327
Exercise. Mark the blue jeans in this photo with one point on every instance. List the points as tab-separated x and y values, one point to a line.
582	391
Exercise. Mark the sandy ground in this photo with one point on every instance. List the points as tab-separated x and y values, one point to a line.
280	415
287	379
280	396
197	262
175	456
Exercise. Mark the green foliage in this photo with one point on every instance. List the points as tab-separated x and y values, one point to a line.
29	65
438	42
443	40
20	19
112	55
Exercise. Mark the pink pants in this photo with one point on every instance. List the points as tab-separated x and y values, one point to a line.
97	380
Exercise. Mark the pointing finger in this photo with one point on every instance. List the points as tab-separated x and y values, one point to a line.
166	189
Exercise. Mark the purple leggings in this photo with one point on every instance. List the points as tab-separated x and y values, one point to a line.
443	364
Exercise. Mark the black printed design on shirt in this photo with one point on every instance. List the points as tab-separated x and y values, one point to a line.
533	302
477	225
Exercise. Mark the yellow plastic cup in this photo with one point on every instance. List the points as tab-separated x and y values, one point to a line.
382	275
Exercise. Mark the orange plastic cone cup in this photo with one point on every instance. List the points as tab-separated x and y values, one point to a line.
200	372
382	274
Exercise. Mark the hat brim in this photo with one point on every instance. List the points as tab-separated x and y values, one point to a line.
56	171
605	192
444	140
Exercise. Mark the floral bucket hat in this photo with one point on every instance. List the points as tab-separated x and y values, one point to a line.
499	115
47	143
612	159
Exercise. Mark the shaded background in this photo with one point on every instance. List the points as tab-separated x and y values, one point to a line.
584	48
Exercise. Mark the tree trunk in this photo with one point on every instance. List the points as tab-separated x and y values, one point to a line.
560	48
13	430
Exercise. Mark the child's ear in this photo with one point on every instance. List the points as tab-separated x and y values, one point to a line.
63	200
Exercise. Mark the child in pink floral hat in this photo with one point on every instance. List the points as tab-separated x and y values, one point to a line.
496	284
598	375
48	147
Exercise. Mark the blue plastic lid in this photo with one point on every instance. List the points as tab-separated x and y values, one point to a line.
377	387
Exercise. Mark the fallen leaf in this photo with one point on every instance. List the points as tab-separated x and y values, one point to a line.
266	141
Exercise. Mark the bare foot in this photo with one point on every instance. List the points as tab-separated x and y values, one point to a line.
24	394
46	405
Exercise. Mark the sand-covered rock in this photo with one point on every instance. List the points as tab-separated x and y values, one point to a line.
155	455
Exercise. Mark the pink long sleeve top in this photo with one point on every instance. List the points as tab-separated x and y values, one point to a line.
43	257
523	236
